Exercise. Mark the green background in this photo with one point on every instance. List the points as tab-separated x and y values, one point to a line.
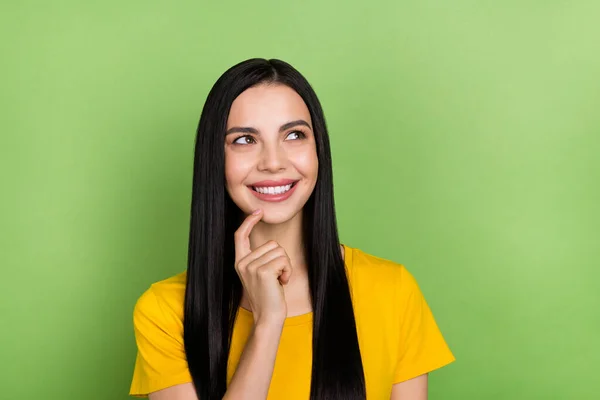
465	138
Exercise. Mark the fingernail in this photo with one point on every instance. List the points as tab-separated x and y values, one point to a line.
256	211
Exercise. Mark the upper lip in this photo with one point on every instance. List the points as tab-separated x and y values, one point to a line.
270	183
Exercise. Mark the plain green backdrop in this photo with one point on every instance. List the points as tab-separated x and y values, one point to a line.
465	138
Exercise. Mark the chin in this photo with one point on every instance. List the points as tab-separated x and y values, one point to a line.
274	217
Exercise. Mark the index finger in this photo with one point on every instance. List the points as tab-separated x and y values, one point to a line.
242	235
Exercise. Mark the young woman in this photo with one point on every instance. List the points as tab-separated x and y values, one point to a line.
272	305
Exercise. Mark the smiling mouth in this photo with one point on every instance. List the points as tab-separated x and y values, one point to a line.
273	190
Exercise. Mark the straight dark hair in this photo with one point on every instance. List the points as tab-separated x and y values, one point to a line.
214	290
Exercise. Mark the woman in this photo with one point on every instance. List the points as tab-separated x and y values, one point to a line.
272	305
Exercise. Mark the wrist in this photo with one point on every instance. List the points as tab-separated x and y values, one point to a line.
268	327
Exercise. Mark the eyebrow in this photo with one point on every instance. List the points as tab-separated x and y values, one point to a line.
287	125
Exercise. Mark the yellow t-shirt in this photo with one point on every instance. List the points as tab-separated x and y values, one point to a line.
397	334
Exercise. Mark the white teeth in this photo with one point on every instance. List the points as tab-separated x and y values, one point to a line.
273	189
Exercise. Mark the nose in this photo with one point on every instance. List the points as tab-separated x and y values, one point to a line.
272	158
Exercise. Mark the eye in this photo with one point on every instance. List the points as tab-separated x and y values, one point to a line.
299	134
243	140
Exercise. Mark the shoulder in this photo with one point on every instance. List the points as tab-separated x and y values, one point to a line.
382	289
158	326
162	304
367	271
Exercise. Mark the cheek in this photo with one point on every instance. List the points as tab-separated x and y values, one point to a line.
236	169
307	163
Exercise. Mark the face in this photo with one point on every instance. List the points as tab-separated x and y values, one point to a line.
270	152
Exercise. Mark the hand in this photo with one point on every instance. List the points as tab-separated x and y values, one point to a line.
262	272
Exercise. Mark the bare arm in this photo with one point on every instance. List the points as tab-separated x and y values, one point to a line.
252	377
412	389
184	391
262	271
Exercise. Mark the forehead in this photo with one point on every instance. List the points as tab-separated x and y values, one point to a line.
267	105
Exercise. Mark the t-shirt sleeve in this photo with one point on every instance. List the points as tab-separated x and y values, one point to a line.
422	347
160	360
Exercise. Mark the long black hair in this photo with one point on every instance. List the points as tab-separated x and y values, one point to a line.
213	289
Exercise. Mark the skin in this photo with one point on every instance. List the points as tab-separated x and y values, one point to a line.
273	154
268	244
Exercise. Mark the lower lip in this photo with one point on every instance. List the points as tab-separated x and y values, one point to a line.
274	197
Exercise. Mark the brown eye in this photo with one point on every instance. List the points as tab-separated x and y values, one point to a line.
299	135
243	140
